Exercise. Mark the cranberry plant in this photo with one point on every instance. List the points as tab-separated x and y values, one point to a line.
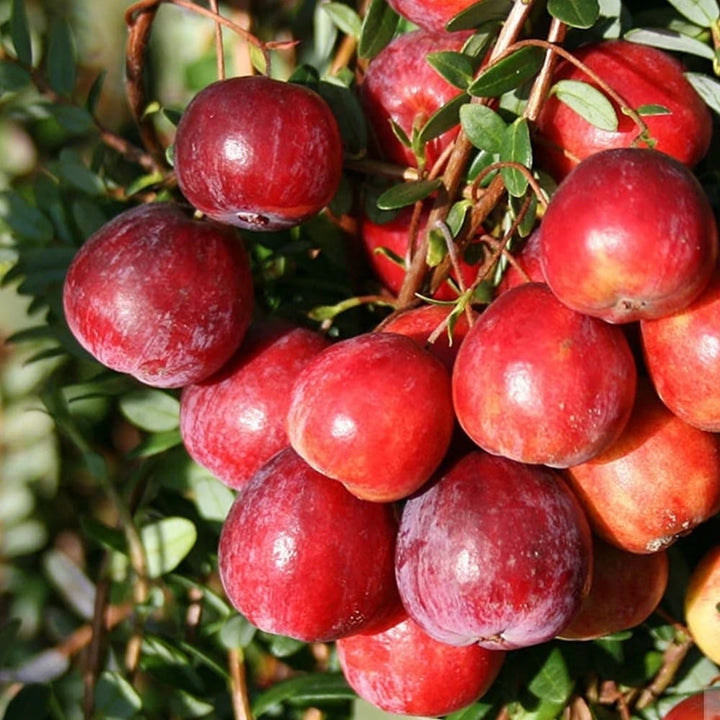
383	165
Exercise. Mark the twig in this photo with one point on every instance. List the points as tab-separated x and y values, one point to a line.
219	48
672	659
238	685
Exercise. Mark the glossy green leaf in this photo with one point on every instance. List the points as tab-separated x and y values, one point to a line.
483	126
303	690
167	542
581	14
701	12
71	118
670	40
185	705
508	74
61	57
588	102
151	410
479	14
455	67
31	701
212	498
8	633
237	632
444	119
155	444
115	697
346	19
404	194
20	32
108	537
378	28
348	112
476	711
24	218
553	681
516	147
12	76
651	110
708	88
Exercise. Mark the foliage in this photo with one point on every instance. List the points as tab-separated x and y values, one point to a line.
111	605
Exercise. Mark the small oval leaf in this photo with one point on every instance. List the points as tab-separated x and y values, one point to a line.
399	196
708	88
61	58
151	410
516	147
701	12
20	32
480	13
115	697
581	14
588	102
454	67
444	119
508	74
377	30
670	40
483	126
344	17
167	542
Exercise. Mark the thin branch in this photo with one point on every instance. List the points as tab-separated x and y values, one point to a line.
238	686
219	47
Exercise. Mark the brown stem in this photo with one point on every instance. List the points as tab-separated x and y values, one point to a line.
219	47
672	659
607	89
93	658
541	86
140	24
455	169
238	685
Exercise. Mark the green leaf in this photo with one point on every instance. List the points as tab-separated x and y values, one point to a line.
670	40
71	118
212	498
708	88
346	19
651	110
111	538
588	102
24	219
95	92
151	410
155	444
378	28
455	67
516	147
31	701
483	126
185	705
303	690
481	13
8	633
553	681
399	196
167	542
581	14
237	632
61	58
12	76
20	32
115	697
443	119
701	12
348	112
508	74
